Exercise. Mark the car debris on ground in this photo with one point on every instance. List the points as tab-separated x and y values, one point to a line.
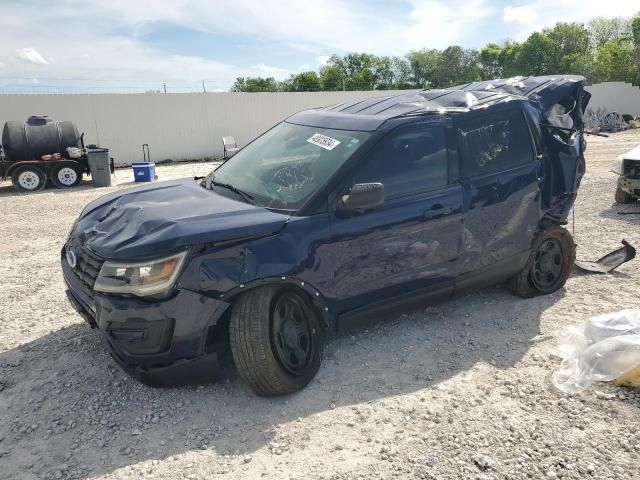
604	348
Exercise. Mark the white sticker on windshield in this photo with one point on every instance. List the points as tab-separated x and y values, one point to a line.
323	141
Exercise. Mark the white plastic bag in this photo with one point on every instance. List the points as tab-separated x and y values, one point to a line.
599	350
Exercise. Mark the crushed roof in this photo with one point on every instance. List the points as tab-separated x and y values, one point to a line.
540	91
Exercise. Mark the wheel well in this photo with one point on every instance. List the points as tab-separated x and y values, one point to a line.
315	301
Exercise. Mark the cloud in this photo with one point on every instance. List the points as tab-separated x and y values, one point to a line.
113	49
525	14
31	55
322	60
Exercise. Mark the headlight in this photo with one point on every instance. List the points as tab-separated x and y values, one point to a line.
617	165
143	278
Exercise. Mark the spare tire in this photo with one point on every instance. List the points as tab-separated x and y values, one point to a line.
14	142
69	137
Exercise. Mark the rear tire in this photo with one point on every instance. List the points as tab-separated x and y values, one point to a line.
66	175
28	178
276	340
553	253
623	197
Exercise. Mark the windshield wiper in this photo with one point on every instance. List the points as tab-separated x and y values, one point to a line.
247	196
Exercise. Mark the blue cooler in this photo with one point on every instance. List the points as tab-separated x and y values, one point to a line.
144	171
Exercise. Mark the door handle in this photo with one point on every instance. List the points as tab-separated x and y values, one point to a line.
437	211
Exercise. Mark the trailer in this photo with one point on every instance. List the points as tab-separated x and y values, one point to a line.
40	150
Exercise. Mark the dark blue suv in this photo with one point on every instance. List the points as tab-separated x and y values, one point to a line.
329	218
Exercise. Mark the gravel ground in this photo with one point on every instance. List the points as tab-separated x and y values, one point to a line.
456	390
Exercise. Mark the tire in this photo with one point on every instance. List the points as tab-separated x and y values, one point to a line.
259	320
552	256
66	175
28	178
623	197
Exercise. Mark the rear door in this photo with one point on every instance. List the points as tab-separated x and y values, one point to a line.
500	173
412	242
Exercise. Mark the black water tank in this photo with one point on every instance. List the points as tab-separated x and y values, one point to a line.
39	135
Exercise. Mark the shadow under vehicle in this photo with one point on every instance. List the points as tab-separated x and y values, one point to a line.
329	217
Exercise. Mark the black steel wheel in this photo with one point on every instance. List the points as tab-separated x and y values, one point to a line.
552	256
276	339
547	264
291	333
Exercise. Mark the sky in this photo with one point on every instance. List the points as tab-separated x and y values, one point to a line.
132	46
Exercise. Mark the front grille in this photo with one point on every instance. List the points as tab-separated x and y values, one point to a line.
88	266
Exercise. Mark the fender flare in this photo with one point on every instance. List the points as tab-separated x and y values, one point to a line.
318	299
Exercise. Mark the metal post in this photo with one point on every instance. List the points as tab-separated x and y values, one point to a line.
204	89
164	85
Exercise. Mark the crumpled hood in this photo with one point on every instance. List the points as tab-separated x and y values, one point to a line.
160	218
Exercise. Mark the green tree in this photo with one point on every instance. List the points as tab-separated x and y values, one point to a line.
614	61
635	35
255	84
490	62
333	75
571	48
424	65
602	29
304	82
535	56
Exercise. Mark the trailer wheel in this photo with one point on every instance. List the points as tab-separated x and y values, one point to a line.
28	178
66	175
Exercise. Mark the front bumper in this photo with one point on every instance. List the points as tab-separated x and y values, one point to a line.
630	185
167	342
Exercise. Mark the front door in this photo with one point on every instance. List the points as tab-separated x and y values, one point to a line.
411	243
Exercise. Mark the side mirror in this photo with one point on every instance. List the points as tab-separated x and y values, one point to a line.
362	197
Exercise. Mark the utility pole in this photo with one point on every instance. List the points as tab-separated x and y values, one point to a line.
204	89
164	86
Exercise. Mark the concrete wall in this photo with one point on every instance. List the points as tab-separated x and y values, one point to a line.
178	126
615	97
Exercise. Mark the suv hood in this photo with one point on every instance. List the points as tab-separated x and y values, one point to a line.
160	218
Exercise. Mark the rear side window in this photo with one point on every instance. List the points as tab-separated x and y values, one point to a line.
407	161
495	142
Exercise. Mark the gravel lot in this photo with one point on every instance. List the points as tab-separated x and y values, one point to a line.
456	390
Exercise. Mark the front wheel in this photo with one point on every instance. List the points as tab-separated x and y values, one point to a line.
552	256
276	340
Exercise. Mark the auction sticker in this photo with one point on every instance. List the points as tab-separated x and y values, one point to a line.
323	141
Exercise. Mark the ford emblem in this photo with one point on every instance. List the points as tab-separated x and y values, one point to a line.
71	258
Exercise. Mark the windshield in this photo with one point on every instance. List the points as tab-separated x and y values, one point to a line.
282	168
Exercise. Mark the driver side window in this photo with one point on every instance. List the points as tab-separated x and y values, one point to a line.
408	161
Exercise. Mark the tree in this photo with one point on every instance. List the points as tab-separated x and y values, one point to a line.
333	75
304	82
424	65
570	48
614	61
535	56
490	62
635	35
602	29
255	84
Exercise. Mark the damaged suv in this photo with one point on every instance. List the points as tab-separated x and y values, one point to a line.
330	217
